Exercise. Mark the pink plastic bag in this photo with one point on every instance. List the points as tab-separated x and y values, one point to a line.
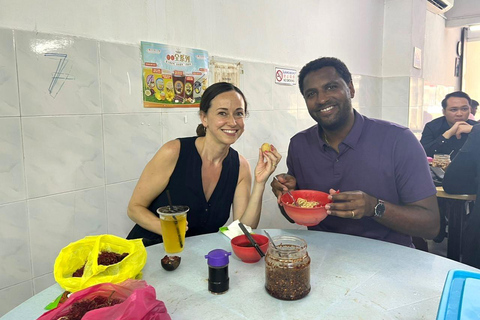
139	302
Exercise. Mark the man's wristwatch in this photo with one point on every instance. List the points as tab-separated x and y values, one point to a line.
379	209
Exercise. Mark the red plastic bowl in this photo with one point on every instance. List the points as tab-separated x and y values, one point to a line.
244	250
306	216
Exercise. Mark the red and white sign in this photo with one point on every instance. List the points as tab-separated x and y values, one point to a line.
285	76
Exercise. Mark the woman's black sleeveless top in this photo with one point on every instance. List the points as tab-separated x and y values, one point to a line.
186	189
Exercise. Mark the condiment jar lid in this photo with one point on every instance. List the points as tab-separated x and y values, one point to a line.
217	258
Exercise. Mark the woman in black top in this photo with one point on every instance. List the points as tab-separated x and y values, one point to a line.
462	177
204	172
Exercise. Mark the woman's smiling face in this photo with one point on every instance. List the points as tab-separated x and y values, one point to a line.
225	117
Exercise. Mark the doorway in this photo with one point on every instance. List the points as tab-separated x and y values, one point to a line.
471	71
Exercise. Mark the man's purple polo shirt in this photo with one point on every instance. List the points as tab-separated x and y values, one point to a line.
382	159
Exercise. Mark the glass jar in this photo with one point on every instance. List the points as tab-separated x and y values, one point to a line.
287	268
441	161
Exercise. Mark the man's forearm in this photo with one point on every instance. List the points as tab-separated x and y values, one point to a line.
419	219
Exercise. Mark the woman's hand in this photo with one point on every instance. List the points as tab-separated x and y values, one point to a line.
247	206
267	163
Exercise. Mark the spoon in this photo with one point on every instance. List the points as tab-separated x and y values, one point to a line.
273	243
271	240
289	193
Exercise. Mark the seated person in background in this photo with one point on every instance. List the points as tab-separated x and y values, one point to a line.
380	168
473	109
204	172
447	134
462	177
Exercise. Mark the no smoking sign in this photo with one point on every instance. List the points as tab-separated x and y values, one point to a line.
285	76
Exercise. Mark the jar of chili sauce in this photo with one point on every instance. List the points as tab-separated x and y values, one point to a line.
287	268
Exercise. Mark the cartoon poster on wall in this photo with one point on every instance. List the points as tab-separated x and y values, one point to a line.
173	77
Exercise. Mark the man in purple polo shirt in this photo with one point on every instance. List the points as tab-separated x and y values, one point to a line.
380	168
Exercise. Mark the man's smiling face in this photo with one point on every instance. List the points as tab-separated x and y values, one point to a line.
328	98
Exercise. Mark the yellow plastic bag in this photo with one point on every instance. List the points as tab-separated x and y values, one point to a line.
86	251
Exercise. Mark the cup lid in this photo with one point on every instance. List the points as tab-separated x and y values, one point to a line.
172	210
217	258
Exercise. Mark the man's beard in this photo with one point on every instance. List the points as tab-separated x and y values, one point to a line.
340	119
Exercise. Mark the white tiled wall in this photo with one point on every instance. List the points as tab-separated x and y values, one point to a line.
75	91
12	186
72	147
395	99
8	76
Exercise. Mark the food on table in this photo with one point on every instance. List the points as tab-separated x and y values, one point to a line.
105	258
266	147
80	308
306	216
441	161
170	263
287	269
304	203
246	245
79	272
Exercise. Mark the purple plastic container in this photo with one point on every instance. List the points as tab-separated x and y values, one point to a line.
218	280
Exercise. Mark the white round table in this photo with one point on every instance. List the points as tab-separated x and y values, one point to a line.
351	278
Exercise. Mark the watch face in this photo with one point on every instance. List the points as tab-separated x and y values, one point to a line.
379	208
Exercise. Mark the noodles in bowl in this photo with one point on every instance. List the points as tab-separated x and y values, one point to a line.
310	206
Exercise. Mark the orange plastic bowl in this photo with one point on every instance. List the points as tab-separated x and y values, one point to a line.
306	216
244	250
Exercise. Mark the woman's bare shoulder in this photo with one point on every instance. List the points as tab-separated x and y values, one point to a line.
171	146
169	152
244	167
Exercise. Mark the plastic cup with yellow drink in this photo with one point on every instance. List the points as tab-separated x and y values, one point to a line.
173	220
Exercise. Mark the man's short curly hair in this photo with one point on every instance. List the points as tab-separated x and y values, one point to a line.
319	63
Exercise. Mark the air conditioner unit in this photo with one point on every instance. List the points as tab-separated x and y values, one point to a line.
439	6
